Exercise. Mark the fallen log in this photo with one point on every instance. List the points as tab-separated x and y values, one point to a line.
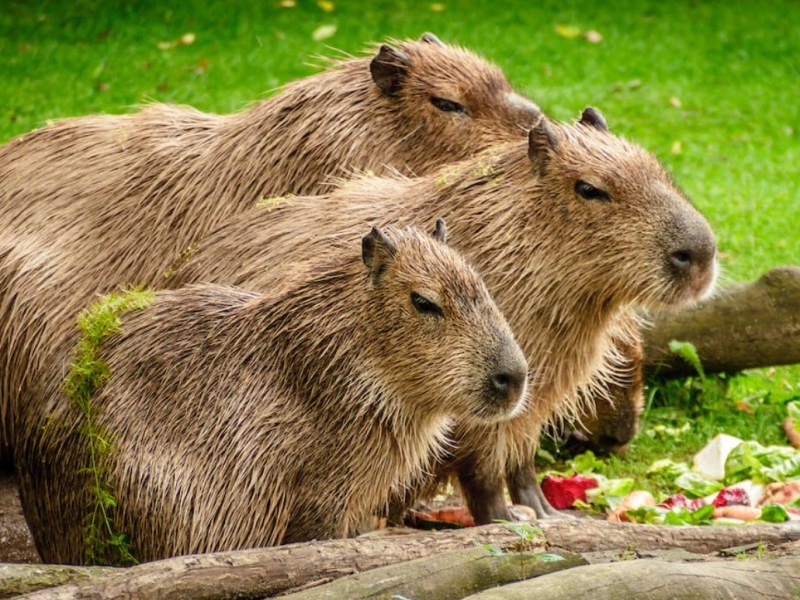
777	578
590	535
16	579
449	576
269	571
746	325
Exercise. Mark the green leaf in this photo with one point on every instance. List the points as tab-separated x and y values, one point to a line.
651	515
702	516
688	352
786	469
586	462
610	492
774	513
697	486
751	460
668	468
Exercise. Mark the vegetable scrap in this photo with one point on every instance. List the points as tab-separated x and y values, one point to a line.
732	481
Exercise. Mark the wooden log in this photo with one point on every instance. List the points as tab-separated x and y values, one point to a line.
777	578
268	571
16	579
744	326
590	535
264	572
448	576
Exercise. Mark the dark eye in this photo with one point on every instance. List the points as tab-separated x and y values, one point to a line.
448	105
589	192
425	306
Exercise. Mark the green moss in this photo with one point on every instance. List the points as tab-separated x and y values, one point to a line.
185	255
272	202
87	374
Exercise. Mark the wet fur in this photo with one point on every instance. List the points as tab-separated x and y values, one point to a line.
564	270
94	202
243	420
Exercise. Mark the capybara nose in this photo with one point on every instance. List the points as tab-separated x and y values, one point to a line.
508	380
692	260
609	443
700	256
681	261
504	383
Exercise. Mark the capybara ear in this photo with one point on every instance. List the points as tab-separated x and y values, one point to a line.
440	231
431	39
377	251
389	68
541	142
591	117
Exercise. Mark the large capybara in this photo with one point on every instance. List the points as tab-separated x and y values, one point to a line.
569	229
93	202
242	420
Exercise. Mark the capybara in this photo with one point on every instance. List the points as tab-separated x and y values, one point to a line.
242	420
568	228
93	202
613	421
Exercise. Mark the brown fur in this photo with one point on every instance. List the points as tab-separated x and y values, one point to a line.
93	202
564	270
614	420
243	420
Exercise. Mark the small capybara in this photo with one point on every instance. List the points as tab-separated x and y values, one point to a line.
94	202
569	229
242	420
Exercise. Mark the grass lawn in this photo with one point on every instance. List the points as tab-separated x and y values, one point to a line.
711	87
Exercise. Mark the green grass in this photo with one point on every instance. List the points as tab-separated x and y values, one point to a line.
733	67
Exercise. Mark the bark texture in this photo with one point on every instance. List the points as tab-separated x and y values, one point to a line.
269	571
448	576
772	579
746	325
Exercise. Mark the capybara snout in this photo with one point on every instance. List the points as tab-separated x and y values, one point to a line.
508	380
691	260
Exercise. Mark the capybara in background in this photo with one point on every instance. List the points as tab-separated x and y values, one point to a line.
93	202
568	229
243	420
614	420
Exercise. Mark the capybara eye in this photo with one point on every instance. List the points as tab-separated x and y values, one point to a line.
448	105
425	306
589	192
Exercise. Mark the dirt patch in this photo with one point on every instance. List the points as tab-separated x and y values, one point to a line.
16	543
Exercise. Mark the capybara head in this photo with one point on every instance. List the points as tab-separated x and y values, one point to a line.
612	204
438	336
457	100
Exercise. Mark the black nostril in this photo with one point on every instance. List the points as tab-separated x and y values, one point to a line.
681	260
501	381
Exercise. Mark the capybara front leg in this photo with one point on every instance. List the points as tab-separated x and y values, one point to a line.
484	494
525	489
